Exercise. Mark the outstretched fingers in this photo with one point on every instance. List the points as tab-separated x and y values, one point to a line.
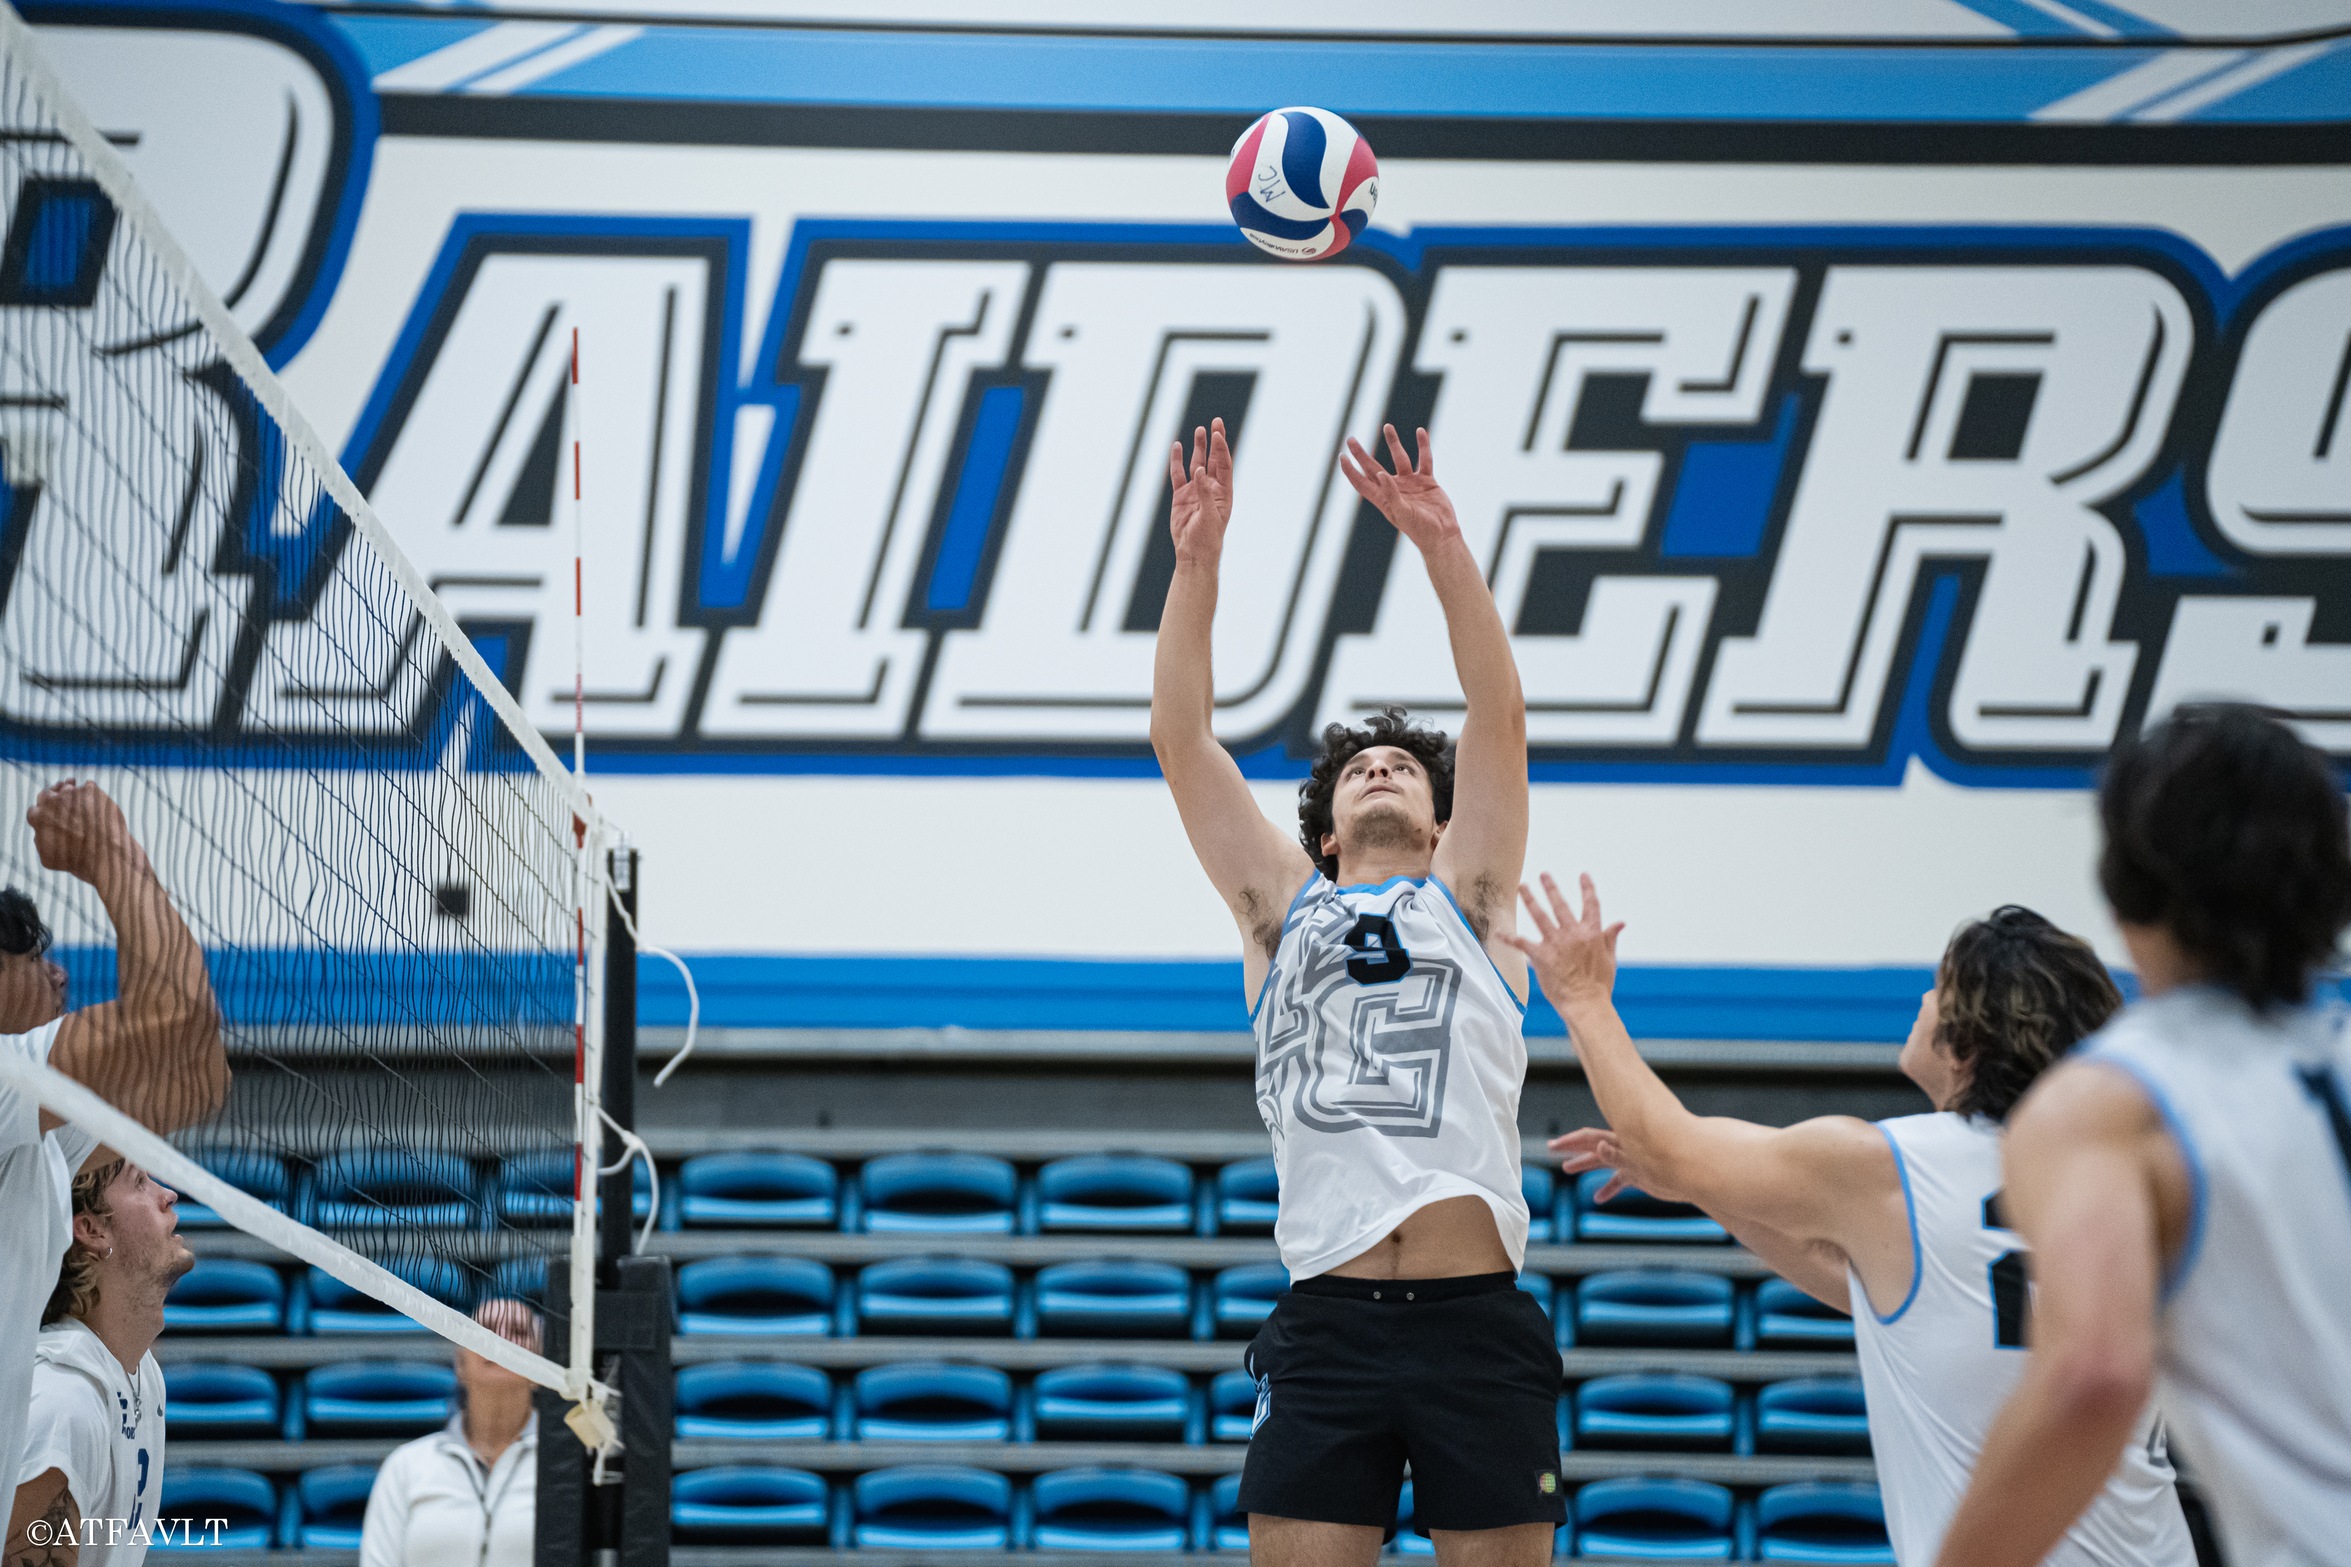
1396	458
1368	478
1220	455
1544	923
1559	909
1427	466
1175	465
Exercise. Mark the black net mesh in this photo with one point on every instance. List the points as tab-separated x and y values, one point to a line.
380	877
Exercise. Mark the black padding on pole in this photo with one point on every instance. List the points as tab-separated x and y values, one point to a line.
563	1464
619	1087
639	1312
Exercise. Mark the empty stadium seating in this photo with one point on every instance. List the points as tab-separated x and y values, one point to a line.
536	1189
935	1295
226	1295
1114	1192
193	1496
1634	1215
777	1296
1655	1306
753	1400
1655	1409
377	1398
930	1400
333	1306
1812	1415
1787	1318
333	1505
1822	1524
938	1193
931	1507
749	1504
1242	1297
1232	1405
1409	1538
214	1401
1113	1402
1247	1197
380	1188
756	1190
260	1175
1541	1189
1103	1509
1656	1519
1228	1526
1114	1298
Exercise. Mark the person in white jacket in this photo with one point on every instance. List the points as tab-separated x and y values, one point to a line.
470	1491
92	1469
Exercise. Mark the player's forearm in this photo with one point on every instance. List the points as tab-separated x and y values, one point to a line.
1183	683
2047	1457
1482	659
164	994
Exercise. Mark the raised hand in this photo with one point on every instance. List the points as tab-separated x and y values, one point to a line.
1575	957
77	829
1410	498
1597	1148
1204	498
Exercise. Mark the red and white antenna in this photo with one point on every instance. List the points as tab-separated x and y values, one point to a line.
579	620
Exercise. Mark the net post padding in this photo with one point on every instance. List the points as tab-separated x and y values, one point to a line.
137	220
62	1096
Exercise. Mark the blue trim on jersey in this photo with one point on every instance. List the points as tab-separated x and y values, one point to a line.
1918	1261
2199	1187
1365	886
1468	930
1290	914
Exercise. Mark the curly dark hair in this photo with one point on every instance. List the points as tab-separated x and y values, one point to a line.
2224	829
21	930
1340	744
2014	993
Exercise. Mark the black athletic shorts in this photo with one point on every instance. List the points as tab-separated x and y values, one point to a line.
1356	1378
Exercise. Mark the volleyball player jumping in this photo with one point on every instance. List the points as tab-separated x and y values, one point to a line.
1388	1012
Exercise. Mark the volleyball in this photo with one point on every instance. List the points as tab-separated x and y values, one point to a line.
1302	184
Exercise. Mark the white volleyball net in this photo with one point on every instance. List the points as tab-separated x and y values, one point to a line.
388	871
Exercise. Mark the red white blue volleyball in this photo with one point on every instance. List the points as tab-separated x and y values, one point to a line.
1302	184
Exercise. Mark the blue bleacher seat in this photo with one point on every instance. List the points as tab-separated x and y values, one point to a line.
1105	1401
942	1193
334	1505
1634	1215
931	1507
1787	1318
261	1175
1228	1526
378	1398
1242	1297
1408	1539
191	1498
1540	1287
931	1401
1101	1509
383	1187
1659	1520
536	1189
335	1307
777	1296
1247	1196
227	1295
520	1278
1114	1297
755	1189
1232	1406
753	1401
1812	1415
214	1401
935	1295
748	1504
1656	1409
1823	1524
1542	1194
1655	1306
1114	1192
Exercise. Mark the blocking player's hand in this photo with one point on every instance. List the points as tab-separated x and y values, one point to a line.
1596	1148
1204	497
1574	957
79	830
1410	498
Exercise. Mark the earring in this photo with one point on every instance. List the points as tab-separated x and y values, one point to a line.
110	1251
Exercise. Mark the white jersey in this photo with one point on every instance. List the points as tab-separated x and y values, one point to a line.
36	1225
1937	1370
435	1503
2255	1348
103	1428
1389	1060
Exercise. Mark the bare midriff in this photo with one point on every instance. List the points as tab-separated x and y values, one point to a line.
1448	1239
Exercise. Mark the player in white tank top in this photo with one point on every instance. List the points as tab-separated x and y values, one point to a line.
2186	1181
1387	1011
1890	1221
